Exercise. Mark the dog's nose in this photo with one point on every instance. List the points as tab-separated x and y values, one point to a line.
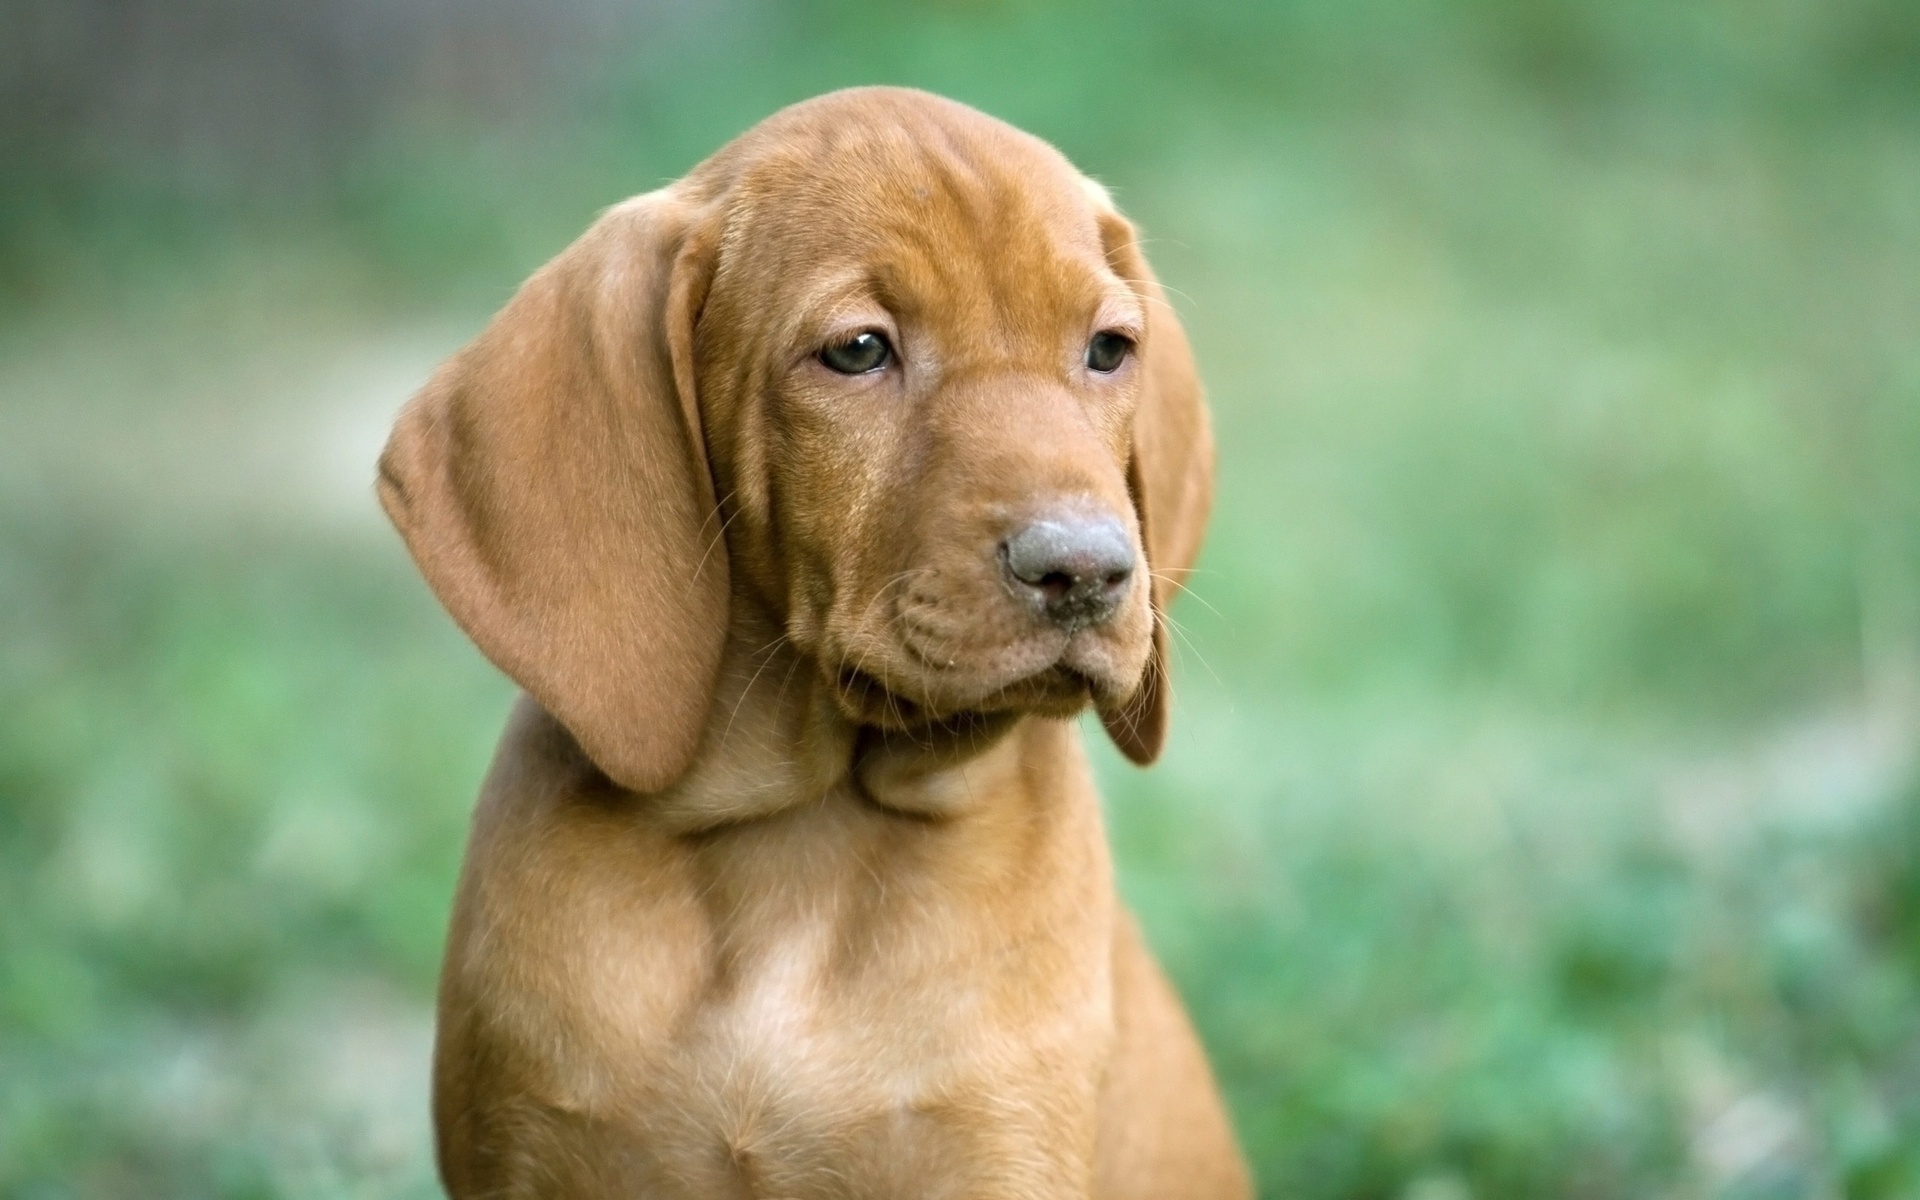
1076	568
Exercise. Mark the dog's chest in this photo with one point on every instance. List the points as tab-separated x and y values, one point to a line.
807	1078
899	1047
801	1052
839	1002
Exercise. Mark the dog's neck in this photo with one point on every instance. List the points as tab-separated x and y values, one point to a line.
776	740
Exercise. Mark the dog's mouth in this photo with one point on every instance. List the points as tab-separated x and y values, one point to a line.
933	658
1057	689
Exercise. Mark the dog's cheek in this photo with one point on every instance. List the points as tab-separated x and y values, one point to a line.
853	530
1131	635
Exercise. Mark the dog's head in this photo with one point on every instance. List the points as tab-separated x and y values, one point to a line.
886	368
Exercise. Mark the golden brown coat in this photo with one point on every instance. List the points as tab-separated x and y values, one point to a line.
789	878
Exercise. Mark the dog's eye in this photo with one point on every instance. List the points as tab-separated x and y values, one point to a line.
859	354
1108	349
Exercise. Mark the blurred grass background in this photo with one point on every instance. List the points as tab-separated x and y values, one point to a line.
1541	818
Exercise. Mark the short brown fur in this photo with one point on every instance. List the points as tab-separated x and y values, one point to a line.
789	878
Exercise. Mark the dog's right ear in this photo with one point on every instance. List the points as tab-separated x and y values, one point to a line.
1170	474
551	482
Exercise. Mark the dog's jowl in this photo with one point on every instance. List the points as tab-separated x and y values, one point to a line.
808	499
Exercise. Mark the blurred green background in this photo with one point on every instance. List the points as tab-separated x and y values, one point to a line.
1541	817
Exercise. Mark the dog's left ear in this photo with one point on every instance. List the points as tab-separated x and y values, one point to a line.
1171	477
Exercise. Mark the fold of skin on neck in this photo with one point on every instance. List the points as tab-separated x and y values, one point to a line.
775	740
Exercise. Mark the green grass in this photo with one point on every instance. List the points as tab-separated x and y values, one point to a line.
1533	958
236	785
1541	816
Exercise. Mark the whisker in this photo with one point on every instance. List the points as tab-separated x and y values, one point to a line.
869	638
781	696
719	534
748	690
1147	284
1183	590
1180	632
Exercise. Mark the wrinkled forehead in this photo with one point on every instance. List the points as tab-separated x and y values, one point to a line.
921	213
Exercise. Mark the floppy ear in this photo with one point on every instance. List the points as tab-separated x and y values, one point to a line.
1171	477
551	483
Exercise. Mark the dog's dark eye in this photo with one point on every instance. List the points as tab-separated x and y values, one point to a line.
1107	351
863	352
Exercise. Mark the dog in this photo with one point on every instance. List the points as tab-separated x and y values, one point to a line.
808	499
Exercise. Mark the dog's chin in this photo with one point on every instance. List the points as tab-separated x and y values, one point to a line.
1060	686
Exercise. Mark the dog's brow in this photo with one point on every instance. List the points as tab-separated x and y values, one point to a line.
844	292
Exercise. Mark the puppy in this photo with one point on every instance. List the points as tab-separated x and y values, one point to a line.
808	499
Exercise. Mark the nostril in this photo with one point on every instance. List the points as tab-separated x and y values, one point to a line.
1076	566
1056	584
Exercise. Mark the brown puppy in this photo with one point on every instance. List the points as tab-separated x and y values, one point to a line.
808	498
